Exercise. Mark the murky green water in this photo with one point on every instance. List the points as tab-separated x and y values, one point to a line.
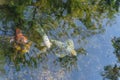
93	46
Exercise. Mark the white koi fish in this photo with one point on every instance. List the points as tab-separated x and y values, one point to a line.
68	46
47	41
45	38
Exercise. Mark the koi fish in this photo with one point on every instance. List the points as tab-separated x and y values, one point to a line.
21	43
45	38
47	41
19	37
68	46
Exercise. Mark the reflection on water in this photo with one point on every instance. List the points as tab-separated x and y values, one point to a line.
82	21
68	63
2	2
116	45
111	72
2	63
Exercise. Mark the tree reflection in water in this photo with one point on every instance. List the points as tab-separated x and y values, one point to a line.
61	20
67	63
112	72
116	45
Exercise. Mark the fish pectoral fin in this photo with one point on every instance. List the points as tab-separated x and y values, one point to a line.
73	52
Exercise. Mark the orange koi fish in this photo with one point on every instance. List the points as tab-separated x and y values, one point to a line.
19	37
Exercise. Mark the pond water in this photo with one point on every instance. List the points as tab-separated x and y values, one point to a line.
88	66
94	48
